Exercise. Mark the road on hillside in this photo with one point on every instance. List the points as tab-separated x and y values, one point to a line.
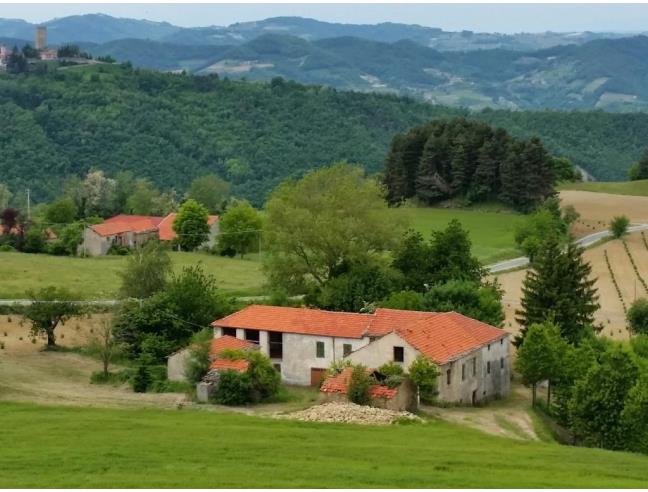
584	242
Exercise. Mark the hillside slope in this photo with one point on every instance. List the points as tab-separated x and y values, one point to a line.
172	128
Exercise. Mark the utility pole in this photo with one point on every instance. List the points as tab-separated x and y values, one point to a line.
28	205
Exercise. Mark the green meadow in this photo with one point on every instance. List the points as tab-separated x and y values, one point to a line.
62	447
636	188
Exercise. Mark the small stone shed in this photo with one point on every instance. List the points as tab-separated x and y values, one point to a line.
401	398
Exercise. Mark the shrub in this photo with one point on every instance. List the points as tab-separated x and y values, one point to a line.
391	369
197	363
234	388
359	384
394	381
142	379
619	226
265	378
637	317
100	377
423	374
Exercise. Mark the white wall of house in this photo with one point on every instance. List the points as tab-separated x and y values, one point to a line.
300	352
482	383
381	351
93	244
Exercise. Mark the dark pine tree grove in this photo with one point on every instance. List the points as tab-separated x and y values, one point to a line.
462	159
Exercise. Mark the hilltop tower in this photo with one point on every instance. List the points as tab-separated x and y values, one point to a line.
41	38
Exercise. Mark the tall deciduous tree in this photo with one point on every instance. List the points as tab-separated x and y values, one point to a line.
210	191
5	196
50	307
191	225
240	229
146	271
540	357
329	217
559	287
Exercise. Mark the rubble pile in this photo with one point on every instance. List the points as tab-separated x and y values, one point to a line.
349	413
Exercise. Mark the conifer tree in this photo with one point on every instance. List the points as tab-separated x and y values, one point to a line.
558	287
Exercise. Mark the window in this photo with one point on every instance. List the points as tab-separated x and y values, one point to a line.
449	376
346	349
474	363
399	354
275	341
502	363
319	349
229	332
488	367
501	341
489	346
463	372
252	336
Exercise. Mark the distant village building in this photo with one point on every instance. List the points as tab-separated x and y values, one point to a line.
4	56
41	38
132	231
473	357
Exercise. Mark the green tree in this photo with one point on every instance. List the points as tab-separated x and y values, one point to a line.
328	218
198	362
17	63
62	211
639	170
540	357
423	374
405	299
240	229
558	287
482	302
191	225
634	416
637	317
125	186
619	226
104	343
537	228
564	170
210	191
144	199
146	271
50	307
599	399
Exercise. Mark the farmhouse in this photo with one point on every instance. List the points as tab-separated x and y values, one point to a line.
134	230
473	357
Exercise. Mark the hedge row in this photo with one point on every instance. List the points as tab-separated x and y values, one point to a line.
634	266
616	286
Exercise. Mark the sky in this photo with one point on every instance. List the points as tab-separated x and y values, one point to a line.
504	18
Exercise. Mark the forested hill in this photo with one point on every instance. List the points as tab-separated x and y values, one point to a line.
172	128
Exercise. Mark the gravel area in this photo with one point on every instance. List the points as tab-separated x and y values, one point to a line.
349	413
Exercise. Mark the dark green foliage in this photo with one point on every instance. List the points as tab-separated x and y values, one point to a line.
639	170
197	363
564	170
50	307
635	416
558	288
240	229
619	226
355	287
599	398
141	379
391	369
210	191
17	62
468	160
234	388
359	384
548	221
404	299
446	257
637	317
146	271
34	241
61	211
477	301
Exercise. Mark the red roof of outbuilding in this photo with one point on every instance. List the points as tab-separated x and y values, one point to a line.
227	342
440	336
238	365
122	223
339	383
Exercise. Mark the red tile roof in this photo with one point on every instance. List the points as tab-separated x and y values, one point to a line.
339	383
165	227
298	320
120	224
227	342
238	365
440	336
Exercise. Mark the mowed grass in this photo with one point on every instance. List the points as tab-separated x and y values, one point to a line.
635	188
491	232
98	278
61	447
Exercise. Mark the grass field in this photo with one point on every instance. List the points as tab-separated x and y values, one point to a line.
491	232
635	188
98	278
82	447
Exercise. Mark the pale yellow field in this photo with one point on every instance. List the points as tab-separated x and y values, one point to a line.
610	315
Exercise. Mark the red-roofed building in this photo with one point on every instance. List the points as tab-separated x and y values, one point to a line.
134	230
473	357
